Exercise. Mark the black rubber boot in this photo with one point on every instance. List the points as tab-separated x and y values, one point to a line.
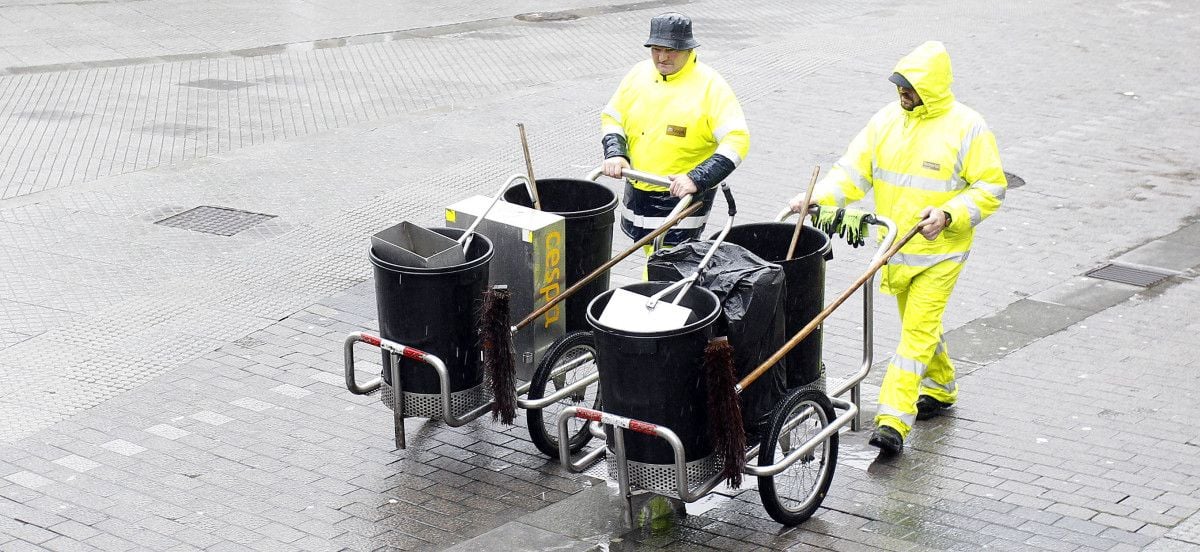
887	439
929	407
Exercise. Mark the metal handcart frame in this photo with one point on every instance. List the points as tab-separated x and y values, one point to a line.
455	414
797	407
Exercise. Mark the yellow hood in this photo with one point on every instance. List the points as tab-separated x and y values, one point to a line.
928	69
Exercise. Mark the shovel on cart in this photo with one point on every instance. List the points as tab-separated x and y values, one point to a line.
408	244
631	312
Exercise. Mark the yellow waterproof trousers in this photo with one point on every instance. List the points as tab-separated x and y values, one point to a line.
921	365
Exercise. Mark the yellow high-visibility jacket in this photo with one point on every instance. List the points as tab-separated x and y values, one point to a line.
940	154
671	124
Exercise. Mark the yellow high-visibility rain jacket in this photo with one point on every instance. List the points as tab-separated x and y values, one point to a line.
672	124
940	154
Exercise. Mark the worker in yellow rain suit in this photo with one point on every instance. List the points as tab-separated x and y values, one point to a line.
672	116
929	160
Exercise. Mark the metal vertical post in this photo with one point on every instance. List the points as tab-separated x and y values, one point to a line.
397	400
623	476
868	348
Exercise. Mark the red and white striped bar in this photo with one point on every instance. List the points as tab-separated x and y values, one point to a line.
619	421
404	351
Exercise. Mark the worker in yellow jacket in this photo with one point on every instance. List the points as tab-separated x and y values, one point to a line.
929	160
673	116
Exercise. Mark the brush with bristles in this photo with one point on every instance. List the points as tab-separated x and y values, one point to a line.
499	363
725	410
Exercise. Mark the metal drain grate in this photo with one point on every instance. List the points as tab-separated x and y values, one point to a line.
1014	181
1127	275
221	221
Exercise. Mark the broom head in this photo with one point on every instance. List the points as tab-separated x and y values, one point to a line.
499	364
725	411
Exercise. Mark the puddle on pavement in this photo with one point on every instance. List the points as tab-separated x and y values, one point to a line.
857	457
656	518
705	504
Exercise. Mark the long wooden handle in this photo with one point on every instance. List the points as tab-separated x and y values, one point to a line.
537	201
609	264
812	183
812	325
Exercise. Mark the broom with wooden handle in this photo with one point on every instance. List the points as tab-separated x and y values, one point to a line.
730	404
533	191
821	316
812	184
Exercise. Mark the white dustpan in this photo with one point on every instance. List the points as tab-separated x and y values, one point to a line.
630	312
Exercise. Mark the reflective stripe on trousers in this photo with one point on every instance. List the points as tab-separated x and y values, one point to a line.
643	211
921	356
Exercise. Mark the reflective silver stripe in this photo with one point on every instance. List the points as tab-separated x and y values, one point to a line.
997	191
919	182
941	348
860	181
731	153
949	387
905	418
909	365
973	211
720	132
839	197
654	222
612	112
605	130
914	259
965	148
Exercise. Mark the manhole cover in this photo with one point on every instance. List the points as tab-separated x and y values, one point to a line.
217	84
221	221
1014	181
1127	275
538	17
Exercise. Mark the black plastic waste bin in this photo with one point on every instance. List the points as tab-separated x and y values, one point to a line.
434	310
588	208
805	275
752	293
658	377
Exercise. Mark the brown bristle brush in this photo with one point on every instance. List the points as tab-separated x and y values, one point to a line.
724	410
499	364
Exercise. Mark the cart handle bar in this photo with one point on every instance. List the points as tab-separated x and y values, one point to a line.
639	426
653	179
607	265
387	345
635	175
391	346
812	325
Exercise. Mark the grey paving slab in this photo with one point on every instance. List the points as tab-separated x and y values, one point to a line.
1034	318
1169	255
1087	294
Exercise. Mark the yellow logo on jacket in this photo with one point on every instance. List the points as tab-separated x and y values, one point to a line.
679	131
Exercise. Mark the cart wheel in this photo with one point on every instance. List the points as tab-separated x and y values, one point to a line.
793	495
574	348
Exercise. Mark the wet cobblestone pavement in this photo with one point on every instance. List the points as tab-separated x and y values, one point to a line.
177	383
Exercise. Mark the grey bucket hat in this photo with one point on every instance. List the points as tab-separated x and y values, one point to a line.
899	80
671	30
